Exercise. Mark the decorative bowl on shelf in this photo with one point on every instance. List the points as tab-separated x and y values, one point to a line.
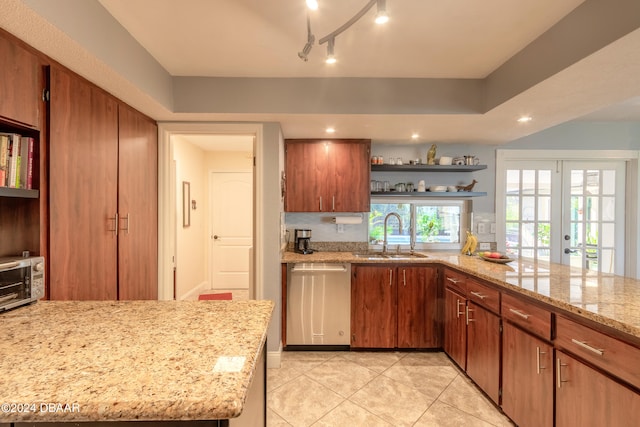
438	188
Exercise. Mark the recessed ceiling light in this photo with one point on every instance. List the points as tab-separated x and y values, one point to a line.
330	130
312	4
525	119
415	136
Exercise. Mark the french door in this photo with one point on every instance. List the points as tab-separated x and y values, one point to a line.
563	211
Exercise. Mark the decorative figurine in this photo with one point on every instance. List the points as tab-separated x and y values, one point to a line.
431	155
467	187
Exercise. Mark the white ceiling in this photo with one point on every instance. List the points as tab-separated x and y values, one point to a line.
424	39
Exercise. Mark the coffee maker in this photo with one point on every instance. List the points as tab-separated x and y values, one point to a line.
302	239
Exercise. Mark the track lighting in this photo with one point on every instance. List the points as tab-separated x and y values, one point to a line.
331	59
381	16
309	44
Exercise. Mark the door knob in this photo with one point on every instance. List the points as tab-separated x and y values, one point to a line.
569	251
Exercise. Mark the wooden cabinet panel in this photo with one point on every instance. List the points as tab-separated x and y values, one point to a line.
137	206
532	318
455	280
350	173
327	175
418	312
483	295
306	177
610	354
83	152
587	398
373	307
21	83
527	378
483	349
455	326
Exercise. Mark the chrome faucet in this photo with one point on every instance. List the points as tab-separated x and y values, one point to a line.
386	218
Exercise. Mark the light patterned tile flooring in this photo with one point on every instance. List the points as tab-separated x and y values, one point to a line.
375	389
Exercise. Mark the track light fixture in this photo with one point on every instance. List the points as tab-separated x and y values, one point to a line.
309	44
330	39
381	15
331	59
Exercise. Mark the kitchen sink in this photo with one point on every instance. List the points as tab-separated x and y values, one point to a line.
388	255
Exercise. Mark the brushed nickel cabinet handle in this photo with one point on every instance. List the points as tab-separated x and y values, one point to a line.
115	224
390	277
559	366
479	295
404	277
583	344
469	319
320	203
333	203
538	353
452	280
459	313
126	228
519	313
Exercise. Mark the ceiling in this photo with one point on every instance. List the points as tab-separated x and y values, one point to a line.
493	43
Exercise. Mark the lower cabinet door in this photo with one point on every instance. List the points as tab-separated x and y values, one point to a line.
373	307
585	397
455	327
527	378
483	350
418	325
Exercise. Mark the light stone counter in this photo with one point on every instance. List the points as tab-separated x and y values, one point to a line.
609	300
130	360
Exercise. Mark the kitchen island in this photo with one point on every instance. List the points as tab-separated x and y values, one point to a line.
114	361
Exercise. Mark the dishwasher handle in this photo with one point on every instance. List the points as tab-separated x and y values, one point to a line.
341	269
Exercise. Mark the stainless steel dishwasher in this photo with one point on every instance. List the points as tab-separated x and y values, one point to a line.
318	304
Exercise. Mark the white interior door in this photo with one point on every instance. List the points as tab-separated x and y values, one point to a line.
231	199
568	212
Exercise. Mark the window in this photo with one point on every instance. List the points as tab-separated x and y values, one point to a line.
429	224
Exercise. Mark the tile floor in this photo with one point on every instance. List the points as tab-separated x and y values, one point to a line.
375	389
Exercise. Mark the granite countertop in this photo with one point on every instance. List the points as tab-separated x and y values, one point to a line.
610	300
129	360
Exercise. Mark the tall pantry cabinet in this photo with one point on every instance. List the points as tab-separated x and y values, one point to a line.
103	194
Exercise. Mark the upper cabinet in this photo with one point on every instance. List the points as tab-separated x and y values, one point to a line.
21	83
329	175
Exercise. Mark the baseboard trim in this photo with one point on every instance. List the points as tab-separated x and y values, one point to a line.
274	358
193	293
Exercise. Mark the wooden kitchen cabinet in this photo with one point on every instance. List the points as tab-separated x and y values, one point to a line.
527	378
455	326
394	307
21	82
137	205
373	307
527	363
327	175
418	308
103	172
472	330
586	397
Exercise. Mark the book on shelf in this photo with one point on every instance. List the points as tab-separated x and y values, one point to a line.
16	160
4	158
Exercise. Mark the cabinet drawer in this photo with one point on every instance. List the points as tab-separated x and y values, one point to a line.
455	280
483	295
530	317
610	354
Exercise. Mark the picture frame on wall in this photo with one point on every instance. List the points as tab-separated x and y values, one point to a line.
186	197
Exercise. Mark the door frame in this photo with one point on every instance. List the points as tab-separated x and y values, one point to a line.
632	183
167	215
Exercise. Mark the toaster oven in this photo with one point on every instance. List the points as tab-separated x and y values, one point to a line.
21	281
